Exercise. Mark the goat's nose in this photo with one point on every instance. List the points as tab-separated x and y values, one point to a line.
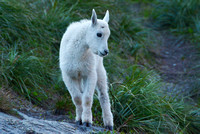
106	51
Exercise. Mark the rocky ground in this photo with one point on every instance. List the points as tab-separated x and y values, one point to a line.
28	125
27	118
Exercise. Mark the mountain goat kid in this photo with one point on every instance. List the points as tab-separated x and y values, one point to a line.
83	46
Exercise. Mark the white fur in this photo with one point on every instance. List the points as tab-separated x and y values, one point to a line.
81	63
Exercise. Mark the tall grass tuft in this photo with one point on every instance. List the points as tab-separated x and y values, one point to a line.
140	106
30	42
180	15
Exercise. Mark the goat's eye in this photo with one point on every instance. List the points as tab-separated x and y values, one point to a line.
99	34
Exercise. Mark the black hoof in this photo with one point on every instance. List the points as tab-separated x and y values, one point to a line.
86	124
109	128
79	122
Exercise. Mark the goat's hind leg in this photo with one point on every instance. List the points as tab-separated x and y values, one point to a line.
89	84
74	87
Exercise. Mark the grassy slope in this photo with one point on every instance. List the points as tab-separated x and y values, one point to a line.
30	34
180	16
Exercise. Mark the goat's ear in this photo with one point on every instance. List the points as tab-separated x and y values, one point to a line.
94	18
106	17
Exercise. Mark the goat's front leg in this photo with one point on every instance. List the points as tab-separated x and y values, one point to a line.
89	84
104	98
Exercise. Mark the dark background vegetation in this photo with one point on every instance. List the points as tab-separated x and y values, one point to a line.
30	34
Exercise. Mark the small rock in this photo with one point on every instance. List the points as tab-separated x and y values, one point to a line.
30	132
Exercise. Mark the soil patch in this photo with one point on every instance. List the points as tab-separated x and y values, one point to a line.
177	61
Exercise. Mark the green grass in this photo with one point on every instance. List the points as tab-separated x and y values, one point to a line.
181	16
30	42
29	64
30	34
139	105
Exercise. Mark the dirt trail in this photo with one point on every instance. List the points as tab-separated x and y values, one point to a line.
177	61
